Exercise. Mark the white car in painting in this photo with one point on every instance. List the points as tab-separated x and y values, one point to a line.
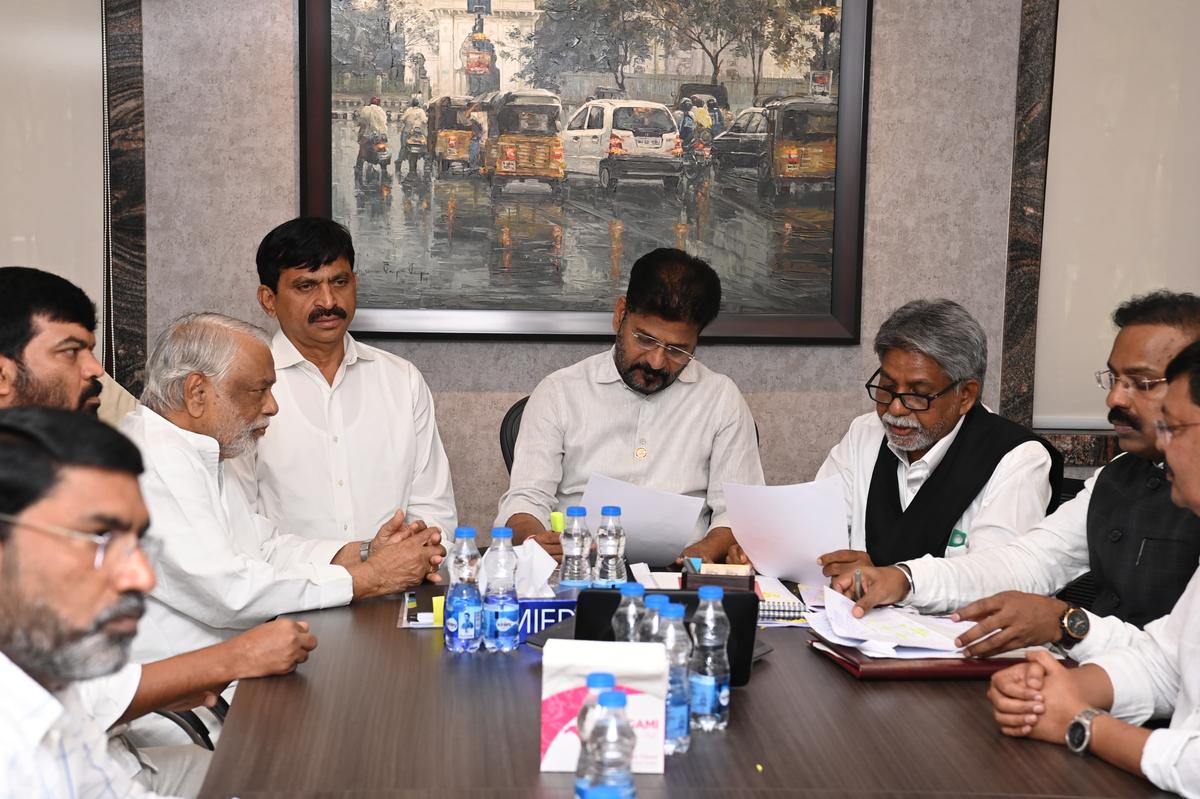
618	140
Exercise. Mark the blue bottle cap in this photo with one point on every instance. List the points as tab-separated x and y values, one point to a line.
610	510
601	679
464	532
612	699
633	589
575	510
713	592
672	611
657	601
501	532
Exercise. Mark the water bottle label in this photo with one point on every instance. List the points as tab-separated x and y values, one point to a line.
504	623
607	548
678	720
709	695
465	623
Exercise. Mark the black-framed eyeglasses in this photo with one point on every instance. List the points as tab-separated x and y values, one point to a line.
914	402
1107	378
676	355
114	548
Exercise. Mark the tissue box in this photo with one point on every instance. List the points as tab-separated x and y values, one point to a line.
641	672
539	613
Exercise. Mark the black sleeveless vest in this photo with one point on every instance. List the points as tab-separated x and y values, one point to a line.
1143	549
924	527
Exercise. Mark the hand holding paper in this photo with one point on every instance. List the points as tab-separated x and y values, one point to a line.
658	524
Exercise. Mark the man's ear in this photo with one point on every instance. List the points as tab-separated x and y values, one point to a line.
8	381
266	299
968	396
197	394
618	313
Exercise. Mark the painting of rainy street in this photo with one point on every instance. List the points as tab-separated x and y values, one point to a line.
521	154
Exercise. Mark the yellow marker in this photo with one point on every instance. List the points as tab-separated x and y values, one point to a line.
558	522
439	610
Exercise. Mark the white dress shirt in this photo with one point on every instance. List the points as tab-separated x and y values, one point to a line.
1158	676
339	460
104	700
1042	561
690	438
223	568
1013	500
51	747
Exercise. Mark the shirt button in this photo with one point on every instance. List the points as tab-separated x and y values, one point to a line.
1115	536
335	439
1154	483
339	483
345	527
640	453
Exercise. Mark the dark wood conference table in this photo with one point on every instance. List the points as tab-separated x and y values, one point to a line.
379	711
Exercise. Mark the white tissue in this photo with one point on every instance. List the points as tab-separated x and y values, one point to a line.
534	567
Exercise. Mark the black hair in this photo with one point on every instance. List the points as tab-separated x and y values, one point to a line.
36	443
1187	364
308	242
1162	307
672	285
26	293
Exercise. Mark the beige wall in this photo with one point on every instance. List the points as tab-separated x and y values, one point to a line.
52	139
221	170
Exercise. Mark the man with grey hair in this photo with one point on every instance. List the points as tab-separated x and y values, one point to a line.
932	472
223	567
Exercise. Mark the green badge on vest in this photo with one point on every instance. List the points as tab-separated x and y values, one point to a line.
957	539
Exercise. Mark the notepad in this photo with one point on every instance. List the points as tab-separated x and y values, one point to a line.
776	602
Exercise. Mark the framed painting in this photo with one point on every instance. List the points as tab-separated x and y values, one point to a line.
502	163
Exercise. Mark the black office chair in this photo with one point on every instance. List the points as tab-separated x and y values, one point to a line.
1080	592
510	428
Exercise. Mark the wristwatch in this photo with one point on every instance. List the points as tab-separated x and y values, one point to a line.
1079	731
364	549
1074	626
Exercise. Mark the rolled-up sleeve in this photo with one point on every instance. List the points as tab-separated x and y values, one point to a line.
537	467
1145	676
1171	760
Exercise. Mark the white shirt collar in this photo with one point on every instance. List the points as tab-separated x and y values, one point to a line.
205	446
30	708
935	454
286	355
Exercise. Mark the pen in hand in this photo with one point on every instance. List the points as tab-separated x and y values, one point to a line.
857	590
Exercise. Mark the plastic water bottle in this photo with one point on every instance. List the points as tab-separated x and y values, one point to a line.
575	571
501	613
679	649
647	627
597	683
709	667
610	747
610	548
629	612
462	621
603	792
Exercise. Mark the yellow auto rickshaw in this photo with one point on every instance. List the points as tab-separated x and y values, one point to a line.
449	132
801	146
523	140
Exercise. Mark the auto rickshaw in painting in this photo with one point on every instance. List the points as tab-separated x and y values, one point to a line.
523	140
801	146
449	133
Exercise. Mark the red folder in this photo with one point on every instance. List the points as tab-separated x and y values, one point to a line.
865	667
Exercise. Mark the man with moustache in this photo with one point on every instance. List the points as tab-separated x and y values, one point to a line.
224	568
73	580
1123	527
47	326
1152	674
932	473
646	411
356	437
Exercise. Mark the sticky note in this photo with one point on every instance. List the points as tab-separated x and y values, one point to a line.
439	610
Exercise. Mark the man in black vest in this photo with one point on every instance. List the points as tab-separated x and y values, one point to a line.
1122	526
931	471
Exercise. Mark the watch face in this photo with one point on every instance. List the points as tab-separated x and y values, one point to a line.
1076	735
1077	624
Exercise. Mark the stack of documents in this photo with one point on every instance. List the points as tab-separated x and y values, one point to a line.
887	632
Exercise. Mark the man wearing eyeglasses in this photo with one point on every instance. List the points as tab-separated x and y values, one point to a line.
73	584
1095	709
1122	527
646	412
932	472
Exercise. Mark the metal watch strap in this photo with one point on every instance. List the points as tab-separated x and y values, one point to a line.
364	550
1085	717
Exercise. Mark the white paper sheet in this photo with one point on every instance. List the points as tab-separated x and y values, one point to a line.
658	525
890	626
784	529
